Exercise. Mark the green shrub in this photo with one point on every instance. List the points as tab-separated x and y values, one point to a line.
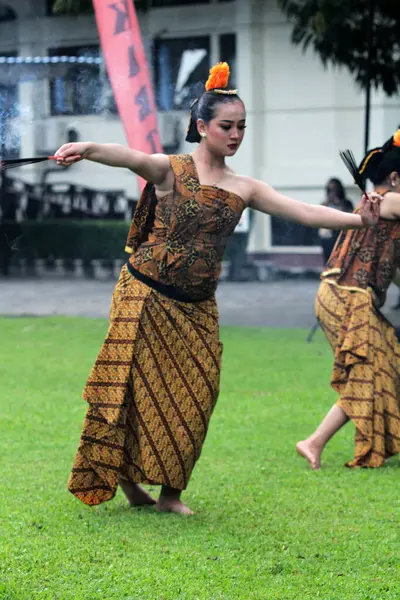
87	240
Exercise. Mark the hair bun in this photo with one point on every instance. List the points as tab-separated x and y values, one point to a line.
371	162
219	76
192	134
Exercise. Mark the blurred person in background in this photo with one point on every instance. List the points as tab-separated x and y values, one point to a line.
335	198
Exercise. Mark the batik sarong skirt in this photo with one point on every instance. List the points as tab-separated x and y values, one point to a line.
151	393
366	370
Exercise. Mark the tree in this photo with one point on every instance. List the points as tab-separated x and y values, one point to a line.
339	31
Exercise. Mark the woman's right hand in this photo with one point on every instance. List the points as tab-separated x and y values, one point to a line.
68	154
370	208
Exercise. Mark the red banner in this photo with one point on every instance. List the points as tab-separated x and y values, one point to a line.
125	58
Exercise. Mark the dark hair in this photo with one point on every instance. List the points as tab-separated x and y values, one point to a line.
205	108
340	189
380	162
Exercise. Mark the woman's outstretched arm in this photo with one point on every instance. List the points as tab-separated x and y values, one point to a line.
152	167
266	199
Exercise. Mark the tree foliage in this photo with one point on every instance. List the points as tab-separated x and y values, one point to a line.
338	32
72	7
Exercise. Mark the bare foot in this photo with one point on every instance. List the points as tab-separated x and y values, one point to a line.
136	495
311	453
173	505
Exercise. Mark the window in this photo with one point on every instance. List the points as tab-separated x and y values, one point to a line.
181	68
286	233
7	13
182	65
83	89
10	139
227	53
49	8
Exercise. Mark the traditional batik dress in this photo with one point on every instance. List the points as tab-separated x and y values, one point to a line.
155	382
366	366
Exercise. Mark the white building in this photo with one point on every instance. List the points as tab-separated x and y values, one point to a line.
299	115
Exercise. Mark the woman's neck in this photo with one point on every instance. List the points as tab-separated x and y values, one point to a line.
382	189
209	159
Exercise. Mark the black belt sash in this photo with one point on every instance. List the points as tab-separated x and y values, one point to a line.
166	290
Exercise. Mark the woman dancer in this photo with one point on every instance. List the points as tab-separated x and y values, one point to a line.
366	366
156	379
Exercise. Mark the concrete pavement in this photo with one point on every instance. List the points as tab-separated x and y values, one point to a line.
285	303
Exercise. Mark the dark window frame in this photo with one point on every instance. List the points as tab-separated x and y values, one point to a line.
7	14
78	104
227	49
189	43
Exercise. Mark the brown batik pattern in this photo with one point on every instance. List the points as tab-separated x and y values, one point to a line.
367	257
186	232
366	370
151	393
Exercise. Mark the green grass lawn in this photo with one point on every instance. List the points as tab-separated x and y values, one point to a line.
266	526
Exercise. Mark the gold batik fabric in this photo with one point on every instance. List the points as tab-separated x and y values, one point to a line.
367	258
180	238
366	369
151	393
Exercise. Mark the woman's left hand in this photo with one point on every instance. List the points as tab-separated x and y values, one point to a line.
370	208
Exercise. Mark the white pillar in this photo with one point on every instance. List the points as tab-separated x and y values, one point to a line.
32	93
251	73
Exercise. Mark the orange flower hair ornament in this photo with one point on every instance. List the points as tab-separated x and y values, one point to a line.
218	79
396	139
219	76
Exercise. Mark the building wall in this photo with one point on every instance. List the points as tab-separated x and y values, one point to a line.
299	114
307	113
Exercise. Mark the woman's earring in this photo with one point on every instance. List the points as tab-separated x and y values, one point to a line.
203	135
